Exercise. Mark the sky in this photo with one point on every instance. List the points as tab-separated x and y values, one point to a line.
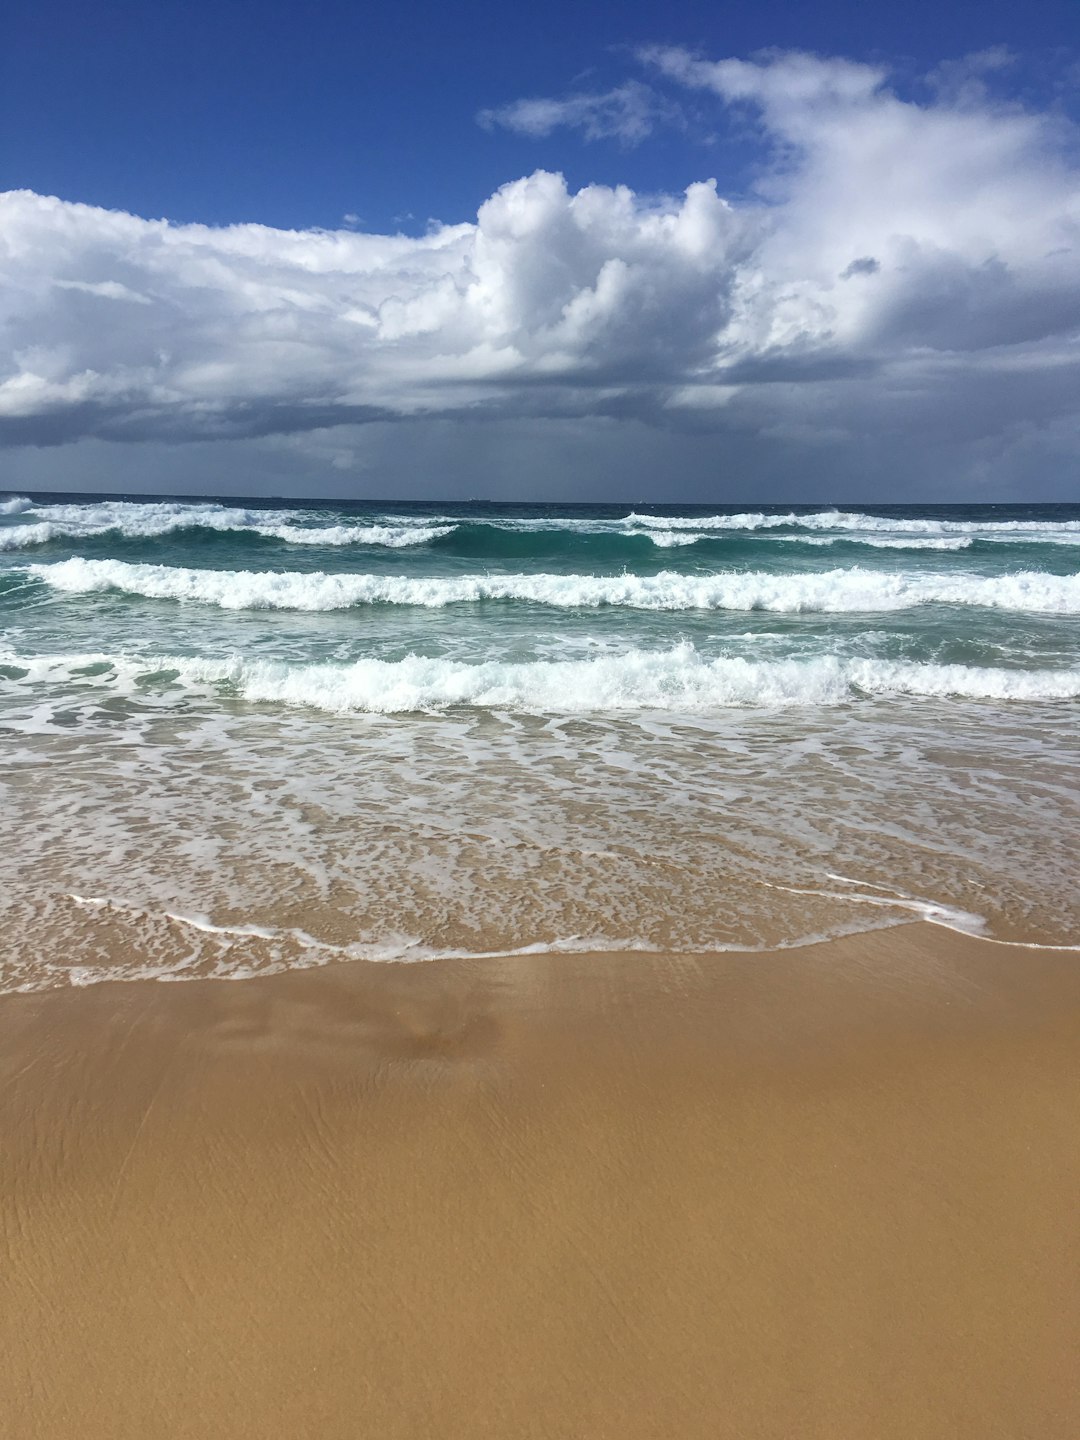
694	252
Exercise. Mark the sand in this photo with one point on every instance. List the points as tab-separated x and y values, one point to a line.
829	1193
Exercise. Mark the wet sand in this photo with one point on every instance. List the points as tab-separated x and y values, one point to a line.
829	1193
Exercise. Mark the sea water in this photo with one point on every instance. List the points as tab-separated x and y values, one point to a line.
237	736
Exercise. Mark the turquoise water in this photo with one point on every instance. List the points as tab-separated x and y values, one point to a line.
246	735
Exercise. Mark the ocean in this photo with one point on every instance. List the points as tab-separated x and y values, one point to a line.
242	736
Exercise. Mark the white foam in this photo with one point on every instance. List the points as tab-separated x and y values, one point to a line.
849	520
878	542
395	537
226	952
140	521
149	519
667	539
951	917
679	679
838	591
23	537
207	926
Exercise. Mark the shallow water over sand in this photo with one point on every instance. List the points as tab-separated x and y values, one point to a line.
521	728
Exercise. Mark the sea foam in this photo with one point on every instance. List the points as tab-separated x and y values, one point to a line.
854	520
134	520
836	591
676	679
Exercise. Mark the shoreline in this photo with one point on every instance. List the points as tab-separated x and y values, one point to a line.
826	1191
115	947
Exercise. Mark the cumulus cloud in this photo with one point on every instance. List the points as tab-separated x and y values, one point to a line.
972	213
902	267
628	113
117	326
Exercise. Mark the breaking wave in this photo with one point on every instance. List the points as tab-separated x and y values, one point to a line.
135	521
853	520
33	524
835	591
678	679
885	542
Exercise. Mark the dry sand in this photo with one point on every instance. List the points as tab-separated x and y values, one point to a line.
823	1193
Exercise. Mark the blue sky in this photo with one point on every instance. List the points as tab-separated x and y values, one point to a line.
297	115
889	249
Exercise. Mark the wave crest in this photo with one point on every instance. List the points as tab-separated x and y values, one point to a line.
836	591
483	532
679	679
132	520
855	520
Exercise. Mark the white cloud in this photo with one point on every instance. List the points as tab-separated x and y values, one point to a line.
904	269
104	289
972	214
628	113
250	330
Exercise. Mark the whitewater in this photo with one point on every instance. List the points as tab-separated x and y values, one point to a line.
830	590
398	731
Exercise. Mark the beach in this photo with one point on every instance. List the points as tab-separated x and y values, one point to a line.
826	1191
241	738
539	695
578	971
